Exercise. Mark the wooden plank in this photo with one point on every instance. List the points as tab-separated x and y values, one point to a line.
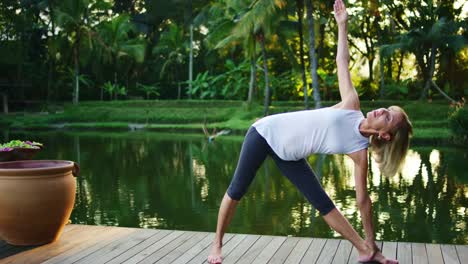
93	244
434	254
140	247
268	252
298	251
195	250
328	251
238	251
314	250
118	247
154	247
389	250
462	251
449	253
106	235
9	252
419	253
353	257
404	254
250	255
67	228
98	244
230	241
155	256
42	253
180	251
343	252
284	251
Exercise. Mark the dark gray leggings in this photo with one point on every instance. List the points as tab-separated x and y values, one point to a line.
254	151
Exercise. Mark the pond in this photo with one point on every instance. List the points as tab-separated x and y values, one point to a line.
177	181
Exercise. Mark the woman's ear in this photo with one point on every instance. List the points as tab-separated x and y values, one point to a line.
385	136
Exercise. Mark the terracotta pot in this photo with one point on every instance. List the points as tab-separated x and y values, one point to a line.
36	200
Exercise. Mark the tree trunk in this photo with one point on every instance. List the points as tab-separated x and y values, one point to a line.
253	78
400	66
76	73
300	14
191	60
320	56
50	76
371	70
429	74
266	103
321	44
382	77
5	103
190	7
115	82
442	92
313	57
389	63
178	91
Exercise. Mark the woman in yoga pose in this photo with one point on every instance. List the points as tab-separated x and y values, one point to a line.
341	129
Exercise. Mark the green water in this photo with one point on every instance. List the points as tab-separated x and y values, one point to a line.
174	181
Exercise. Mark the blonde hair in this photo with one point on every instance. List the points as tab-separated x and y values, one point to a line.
390	155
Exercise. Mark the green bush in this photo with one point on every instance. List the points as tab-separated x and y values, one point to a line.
458	121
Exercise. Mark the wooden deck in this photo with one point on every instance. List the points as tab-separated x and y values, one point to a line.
97	244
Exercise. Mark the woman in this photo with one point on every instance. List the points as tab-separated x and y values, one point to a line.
290	137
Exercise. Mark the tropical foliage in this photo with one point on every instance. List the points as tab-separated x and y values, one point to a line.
260	50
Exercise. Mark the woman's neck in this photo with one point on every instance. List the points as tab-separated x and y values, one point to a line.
365	130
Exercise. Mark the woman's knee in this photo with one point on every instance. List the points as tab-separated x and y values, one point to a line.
234	193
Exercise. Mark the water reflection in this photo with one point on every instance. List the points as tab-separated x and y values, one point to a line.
177	182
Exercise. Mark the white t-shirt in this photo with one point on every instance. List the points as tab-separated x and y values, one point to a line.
296	135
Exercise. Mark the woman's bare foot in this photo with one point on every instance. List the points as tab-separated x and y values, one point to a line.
215	254
375	256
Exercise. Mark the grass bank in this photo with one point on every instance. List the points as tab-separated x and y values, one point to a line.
429	118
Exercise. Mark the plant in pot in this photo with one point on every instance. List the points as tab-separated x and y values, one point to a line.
19	150
36	196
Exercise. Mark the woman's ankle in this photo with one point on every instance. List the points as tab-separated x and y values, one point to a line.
217	243
365	249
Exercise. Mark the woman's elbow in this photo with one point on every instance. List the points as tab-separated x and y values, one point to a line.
342	59
363	201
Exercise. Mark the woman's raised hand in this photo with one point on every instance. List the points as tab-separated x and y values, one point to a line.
340	12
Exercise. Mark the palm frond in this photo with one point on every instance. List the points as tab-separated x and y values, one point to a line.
226	41
219	33
134	50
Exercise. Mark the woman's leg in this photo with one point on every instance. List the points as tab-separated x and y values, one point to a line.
302	176
253	153
225	215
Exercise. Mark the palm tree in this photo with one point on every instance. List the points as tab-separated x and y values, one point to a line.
300	15
69	15
74	18
423	43
425	34
222	18
259	20
172	49
190	50
313	57
365	26
115	43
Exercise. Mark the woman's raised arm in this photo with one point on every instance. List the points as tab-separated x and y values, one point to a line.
349	96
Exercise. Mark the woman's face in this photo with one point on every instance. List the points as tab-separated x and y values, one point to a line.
384	120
